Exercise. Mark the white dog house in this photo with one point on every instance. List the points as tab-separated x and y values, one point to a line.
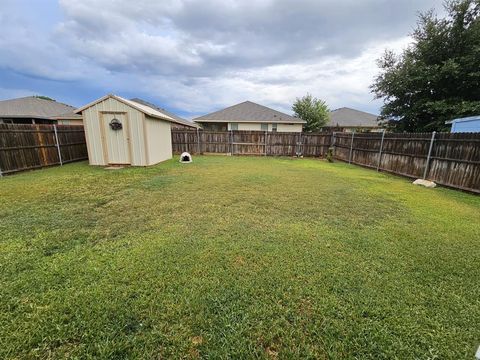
124	132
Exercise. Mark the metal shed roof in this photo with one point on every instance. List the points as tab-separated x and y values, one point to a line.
176	117
249	112
470	118
147	110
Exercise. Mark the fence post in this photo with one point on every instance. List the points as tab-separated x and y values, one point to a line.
351	148
231	142
57	144
380	152
198	142
299	145
429	155
265	150
333	143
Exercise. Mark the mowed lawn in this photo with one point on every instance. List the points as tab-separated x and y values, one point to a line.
236	257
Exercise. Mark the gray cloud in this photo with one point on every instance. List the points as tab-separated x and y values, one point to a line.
200	38
197	55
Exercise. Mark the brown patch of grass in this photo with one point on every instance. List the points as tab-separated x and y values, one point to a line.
197	340
271	353
239	261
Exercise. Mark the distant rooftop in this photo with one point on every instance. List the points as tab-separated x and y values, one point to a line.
249	112
347	117
33	107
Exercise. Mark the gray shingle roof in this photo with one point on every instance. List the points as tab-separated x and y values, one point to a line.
33	107
249	112
346	117
172	115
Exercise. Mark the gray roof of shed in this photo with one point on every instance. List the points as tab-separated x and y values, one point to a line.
172	115
33	107
346	117
249	112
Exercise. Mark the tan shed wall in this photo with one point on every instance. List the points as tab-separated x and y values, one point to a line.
159	140
93	132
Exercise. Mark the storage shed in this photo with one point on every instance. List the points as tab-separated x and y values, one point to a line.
468	124
124	132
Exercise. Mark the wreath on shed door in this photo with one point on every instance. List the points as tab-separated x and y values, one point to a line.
115	124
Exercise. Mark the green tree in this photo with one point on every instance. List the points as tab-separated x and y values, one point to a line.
314	111
44	97
437	78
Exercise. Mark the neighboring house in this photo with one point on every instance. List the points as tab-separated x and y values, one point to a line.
37	110
348	120
181	123
250	116
124	132
467	124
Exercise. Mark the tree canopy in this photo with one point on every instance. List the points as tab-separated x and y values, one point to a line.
314	111
437	78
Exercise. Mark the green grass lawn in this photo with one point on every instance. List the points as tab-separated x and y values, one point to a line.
236	257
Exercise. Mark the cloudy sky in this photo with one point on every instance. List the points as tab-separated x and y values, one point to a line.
196	56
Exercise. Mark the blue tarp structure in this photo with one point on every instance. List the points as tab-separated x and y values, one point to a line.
468	124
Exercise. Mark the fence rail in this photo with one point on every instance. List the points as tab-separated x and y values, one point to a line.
448	159
27	147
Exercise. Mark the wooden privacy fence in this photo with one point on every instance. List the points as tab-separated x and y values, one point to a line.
250	143
448	159
26	147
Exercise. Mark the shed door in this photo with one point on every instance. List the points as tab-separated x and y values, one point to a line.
116	139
